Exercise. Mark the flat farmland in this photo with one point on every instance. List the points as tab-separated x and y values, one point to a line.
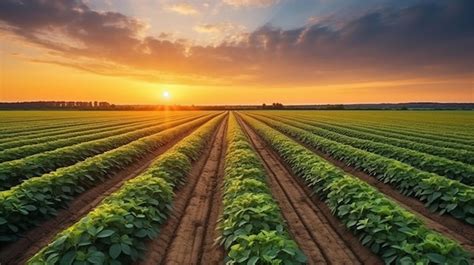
236	187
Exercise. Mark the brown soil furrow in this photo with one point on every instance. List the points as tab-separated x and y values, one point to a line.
213	253
318	233
37	238
189	233
444	224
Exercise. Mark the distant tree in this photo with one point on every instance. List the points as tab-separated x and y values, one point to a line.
277	105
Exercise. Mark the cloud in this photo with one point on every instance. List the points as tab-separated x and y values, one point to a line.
250	3
208	28
183	9
229	32
223	28
432	39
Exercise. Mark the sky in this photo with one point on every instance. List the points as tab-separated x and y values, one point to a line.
237	51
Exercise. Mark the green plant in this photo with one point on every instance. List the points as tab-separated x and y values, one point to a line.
253	230
42	137
13	172
390	231
408	180
114	232
69	140
266	247
39	198
430	163
446	149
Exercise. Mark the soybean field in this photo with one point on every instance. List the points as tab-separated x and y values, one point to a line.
236	187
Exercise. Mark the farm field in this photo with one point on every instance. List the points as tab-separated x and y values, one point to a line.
236	187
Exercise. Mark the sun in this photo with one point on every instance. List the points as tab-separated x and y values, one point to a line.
166	94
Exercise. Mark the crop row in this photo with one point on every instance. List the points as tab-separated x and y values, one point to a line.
43	120
390	231
67	133
438	132
433	137
441	166
440	194
28	130
39	198
253	230
444	148
427	137
13	172
73	124
432	122
400	128
460	154
445	143
10	120
116	230
63	141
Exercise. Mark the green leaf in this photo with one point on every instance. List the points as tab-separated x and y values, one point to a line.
91	230
228	241
389	259
126	248
3	221
366	239
30	208
52	259
436	258
58	242
96	257
470	220
253	260
351	223
12	227
406	260
451	207
141	233
68	258
105	233
115	250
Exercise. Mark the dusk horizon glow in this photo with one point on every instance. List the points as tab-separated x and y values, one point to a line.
237	51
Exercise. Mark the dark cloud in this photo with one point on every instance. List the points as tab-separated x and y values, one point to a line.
424	40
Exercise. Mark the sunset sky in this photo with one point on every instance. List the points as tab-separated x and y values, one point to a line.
237	51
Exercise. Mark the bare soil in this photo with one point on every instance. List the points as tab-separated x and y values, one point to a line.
35	239
319	234
189	234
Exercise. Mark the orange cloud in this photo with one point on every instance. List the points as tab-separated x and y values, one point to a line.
426	41
183	9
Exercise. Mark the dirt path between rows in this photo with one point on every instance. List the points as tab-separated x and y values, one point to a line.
319	234
444	224
34	240
189	234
